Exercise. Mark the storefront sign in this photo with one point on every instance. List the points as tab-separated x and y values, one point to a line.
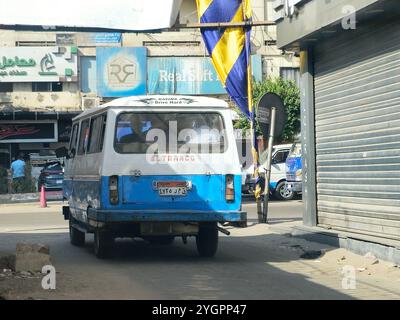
121	71
38	64
94	39
188	75
23	132
183	75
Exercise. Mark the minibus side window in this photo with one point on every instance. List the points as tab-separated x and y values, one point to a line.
72	143
84	137
96	136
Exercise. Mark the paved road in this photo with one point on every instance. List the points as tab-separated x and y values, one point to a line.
253	263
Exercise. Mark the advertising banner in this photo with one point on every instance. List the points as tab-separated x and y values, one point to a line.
121	71
38	64
23	132
188	75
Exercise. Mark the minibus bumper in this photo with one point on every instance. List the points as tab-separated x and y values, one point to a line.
165	216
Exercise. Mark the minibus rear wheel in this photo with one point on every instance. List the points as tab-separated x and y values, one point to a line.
207	239
103	242
77	237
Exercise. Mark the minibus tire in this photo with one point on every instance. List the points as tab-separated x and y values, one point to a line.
207	239
76	237
103	242
278	194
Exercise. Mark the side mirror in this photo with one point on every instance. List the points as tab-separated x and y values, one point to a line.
61	152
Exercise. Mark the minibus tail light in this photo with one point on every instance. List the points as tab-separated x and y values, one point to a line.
113	188
229	188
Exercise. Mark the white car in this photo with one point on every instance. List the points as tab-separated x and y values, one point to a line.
278	173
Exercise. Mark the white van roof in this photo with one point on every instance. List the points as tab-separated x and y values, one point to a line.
159	101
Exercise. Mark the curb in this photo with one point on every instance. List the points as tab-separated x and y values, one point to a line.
27	198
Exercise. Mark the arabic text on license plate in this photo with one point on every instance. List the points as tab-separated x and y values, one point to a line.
172	191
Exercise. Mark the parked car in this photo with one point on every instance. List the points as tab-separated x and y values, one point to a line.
294	171
51	176
278	185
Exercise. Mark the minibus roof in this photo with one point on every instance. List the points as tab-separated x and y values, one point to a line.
158	102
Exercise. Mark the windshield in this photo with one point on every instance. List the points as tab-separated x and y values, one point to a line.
170	133
295	151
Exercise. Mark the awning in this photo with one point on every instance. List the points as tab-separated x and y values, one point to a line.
15	115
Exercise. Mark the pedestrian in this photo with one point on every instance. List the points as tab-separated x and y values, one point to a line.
18	173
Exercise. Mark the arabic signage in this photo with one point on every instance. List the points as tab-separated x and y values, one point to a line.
65	39
77	14
38	64
121	71
187	75
22	132
94	39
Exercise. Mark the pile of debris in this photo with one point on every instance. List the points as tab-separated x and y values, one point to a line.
27	262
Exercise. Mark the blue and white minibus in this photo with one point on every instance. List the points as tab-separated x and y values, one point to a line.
153	167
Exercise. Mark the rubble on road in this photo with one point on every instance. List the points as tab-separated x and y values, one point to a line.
31	257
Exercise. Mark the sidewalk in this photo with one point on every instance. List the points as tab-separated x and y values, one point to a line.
328	265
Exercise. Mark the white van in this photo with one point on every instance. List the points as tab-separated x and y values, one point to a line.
155	167
278	173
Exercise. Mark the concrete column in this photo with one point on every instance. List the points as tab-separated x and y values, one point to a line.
308	138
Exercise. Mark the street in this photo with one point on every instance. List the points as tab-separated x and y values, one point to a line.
258	262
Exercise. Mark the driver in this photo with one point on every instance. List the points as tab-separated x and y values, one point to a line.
137	134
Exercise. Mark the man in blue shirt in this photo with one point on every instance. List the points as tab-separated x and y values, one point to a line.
18	173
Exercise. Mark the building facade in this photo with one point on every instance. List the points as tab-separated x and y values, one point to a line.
48	77
350	80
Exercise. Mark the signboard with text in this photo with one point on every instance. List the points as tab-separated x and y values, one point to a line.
188	75
93	39
38	64
183	75
22	132
121	72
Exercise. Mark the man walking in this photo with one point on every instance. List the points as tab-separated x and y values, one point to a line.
18	173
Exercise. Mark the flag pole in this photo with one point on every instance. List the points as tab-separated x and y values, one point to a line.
252	113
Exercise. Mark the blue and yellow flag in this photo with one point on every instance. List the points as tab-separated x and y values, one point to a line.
229	49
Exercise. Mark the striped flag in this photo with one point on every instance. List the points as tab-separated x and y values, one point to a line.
229	49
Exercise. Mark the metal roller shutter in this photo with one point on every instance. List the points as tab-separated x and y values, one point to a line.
357	125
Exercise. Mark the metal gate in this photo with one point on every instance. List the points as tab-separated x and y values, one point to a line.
357	126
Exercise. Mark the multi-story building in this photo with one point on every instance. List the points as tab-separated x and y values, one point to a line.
48	77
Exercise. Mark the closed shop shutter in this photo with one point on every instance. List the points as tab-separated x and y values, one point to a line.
357	125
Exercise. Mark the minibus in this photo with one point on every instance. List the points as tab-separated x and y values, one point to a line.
153	167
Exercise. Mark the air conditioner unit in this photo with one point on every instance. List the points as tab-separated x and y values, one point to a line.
90	102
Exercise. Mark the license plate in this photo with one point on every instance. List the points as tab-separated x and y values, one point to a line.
172	191
59	181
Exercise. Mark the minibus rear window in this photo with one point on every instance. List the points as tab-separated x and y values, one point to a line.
170	133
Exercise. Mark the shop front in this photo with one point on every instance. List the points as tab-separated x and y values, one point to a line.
34	134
